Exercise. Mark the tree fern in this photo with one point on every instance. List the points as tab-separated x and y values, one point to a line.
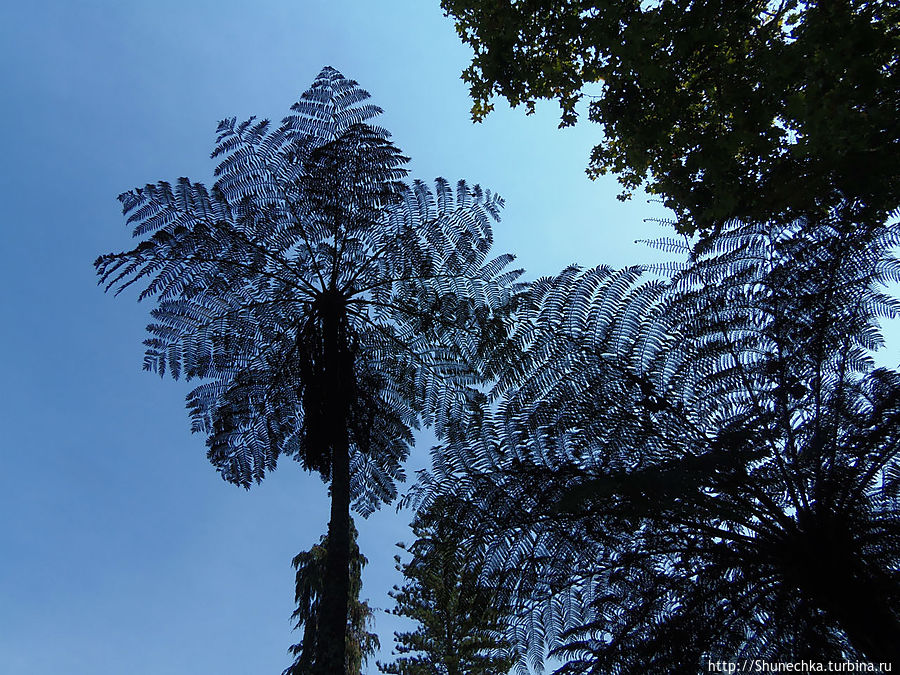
328	307
706	470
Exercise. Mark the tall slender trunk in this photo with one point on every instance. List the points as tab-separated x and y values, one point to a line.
331	643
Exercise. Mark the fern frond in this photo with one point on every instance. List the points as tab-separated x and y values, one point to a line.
660	447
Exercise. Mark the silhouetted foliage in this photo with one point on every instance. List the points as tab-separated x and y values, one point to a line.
750	109
330	307
458	612
701	469
309	584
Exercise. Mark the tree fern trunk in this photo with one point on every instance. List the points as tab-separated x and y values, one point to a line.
860	608
333	622
338	388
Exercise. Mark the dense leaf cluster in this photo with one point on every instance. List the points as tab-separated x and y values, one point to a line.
750	109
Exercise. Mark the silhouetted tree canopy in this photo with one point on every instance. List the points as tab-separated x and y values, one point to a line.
706	468
758	110
310	586
459	614
329	307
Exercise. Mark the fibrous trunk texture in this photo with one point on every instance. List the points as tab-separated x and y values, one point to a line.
338	389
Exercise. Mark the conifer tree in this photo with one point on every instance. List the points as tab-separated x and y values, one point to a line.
457	611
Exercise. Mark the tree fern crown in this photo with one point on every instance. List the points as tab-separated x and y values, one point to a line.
310	234
706	467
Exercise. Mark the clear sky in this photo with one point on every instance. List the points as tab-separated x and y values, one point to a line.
121	549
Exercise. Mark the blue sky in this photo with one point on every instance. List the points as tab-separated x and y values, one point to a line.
122	549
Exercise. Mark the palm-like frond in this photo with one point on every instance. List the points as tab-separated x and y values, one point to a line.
306	218
701	469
